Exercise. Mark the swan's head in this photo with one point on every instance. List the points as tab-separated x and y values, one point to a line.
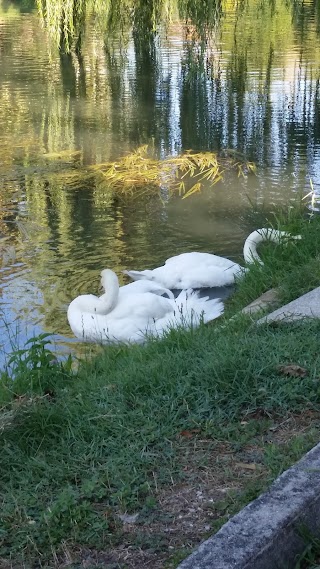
109	279
278	236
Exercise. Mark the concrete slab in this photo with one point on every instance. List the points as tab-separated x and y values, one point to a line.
268	299
306	306
265	534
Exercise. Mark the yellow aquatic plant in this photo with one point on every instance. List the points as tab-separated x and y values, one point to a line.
185	174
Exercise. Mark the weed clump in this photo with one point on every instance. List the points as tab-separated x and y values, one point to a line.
139	173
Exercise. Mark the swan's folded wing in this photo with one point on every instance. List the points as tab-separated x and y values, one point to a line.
143	286
144	307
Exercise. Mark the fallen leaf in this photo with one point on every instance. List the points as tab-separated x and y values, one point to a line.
189	434
292	370
246	465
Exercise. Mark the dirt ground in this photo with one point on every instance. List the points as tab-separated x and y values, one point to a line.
187	513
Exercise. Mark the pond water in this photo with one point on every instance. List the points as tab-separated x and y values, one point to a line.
255	89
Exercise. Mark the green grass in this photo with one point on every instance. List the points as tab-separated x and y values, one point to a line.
293	269
79	446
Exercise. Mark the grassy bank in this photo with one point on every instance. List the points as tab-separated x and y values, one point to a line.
141	453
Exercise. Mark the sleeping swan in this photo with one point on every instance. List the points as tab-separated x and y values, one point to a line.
127	314
202	270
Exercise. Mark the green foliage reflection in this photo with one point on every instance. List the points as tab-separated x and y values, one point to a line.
65	21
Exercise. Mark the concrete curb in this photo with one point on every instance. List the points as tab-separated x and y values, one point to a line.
306	306
265	534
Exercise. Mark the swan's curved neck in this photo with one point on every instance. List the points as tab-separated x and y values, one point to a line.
107	302
103	304
250	252
110	284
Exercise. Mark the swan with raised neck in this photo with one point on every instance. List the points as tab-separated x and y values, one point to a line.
250	252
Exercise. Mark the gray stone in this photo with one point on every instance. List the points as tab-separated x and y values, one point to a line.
306	306
266	300
266	533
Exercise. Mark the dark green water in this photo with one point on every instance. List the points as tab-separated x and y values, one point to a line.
255	90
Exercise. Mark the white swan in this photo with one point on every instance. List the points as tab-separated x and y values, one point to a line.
204	270
128	314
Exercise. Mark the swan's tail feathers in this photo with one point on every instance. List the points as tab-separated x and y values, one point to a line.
192	306
188	294
136	275
207	309
213	309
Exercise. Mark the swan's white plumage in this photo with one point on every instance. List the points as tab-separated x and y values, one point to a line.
191	270
132	313
145	286
201	270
